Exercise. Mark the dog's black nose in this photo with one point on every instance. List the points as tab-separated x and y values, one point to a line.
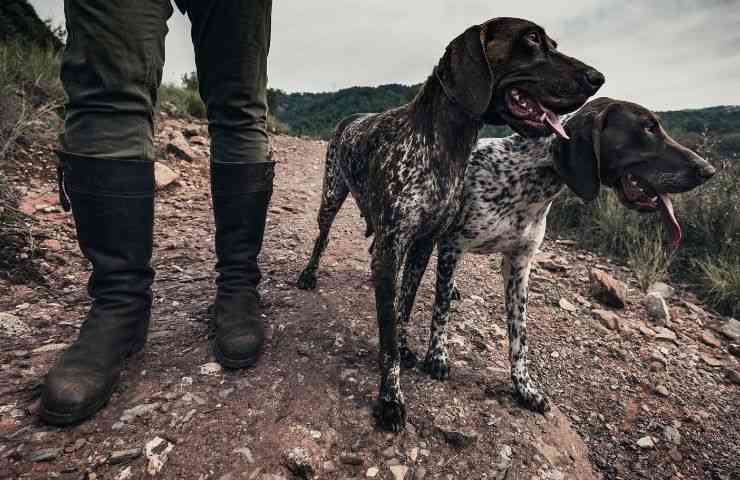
594	79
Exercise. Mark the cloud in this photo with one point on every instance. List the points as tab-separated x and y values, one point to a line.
666	54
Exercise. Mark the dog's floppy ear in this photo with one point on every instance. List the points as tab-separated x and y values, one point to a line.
464	72
579	161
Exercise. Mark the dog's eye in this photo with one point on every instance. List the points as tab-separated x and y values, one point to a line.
533	38
652	128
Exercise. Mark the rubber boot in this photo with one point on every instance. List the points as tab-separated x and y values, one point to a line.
241	194
112	204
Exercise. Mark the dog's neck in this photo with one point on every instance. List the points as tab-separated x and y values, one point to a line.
448	130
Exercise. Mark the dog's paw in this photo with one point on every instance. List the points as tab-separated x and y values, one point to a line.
534	401
408	358
391	415
437	366
455	294
307	280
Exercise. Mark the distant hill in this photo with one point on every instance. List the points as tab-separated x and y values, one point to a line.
316	114
19	22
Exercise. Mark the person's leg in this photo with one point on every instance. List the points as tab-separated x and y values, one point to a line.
111	68
232	41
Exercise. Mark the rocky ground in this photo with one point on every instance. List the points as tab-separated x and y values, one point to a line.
645	391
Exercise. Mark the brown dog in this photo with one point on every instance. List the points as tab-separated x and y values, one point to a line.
405	167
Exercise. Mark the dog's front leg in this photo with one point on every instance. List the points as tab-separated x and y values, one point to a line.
516	270
416	264
436	362
391	410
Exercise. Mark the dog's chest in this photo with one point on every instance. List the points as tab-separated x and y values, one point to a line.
507	196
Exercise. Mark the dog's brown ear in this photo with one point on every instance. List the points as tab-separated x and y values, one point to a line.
579	160
464	72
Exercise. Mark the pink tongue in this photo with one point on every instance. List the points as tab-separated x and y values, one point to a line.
669	218
553	121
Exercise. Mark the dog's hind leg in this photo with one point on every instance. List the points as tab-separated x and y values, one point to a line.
334	193
416	264
436	362
391	409
516	270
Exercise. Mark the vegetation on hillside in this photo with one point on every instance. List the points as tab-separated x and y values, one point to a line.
19	23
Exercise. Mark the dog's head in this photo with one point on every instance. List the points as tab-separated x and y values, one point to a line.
623	146
508	71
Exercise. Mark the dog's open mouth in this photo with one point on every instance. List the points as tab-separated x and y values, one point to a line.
636	194
532	113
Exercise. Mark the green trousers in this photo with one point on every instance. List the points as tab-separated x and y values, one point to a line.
112	68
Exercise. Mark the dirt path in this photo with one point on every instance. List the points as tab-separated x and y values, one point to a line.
308	404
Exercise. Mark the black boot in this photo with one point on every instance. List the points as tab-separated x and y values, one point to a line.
241	194
112	203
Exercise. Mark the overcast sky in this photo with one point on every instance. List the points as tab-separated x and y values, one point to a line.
664	54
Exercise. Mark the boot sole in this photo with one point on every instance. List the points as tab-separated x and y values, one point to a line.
233	363
64	419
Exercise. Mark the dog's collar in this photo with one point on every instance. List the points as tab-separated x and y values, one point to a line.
451	98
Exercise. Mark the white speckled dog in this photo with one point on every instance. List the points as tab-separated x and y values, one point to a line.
510	184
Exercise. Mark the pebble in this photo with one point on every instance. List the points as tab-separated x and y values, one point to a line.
711	361
157	450
299	462
350	460
608	319
50	347
732	376
123	456
372	472
672	435
389	452
657	309
211	368
399	472
44	455
246	453
662	289
13	326
138	411
646	442
708	338
566	305
734	349
660	389
662	333
420	473
125	474
458	438
731	329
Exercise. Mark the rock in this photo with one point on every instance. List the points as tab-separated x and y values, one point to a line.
711	361
657	309
399	472
734	349
645	330
157	450
505	458
662	333
552	266
709	338
138	411
50	347
298	461
12	326
52	245
211	368
198	140
164	175
608	319
672	435
350	459
662	391
566	305
607	289
180	148
646	442
732	376
246	453
372	472
44	455
125	474
457	438
731	329
662	289
124	456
